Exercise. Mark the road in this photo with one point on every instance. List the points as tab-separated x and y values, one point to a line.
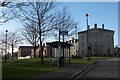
0	70
105	68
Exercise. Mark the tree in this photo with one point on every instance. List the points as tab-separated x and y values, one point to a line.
2	45
30	34
4	3
6	9
41	13
13	39
65	22
6	15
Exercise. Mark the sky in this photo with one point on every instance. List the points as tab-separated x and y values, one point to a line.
99	13
119	24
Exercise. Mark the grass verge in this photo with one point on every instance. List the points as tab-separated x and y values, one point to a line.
26	68
82	61
29	68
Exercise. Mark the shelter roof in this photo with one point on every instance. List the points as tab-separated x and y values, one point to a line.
62	44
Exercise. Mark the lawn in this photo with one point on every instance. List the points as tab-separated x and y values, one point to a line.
29	68
100	57
26	68
85	61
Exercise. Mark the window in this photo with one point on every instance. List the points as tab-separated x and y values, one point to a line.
108	35
103	45
108	50
82	51
89	36
82	44
82	37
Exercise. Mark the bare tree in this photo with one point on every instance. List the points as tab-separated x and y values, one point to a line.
13	39
6	9
4	3
2	43
30	34
6	16
65	22
41	13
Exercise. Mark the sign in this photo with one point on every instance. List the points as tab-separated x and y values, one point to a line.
63	32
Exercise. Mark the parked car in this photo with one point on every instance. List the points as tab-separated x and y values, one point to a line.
80	57
77	57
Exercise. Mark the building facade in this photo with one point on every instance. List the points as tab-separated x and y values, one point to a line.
100	41
29	51
117	51
25	51
74	48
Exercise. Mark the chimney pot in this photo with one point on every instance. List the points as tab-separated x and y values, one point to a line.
95	25
73	38
102	26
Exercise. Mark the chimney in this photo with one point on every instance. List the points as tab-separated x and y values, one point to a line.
95	25
73	38
88	27
102	26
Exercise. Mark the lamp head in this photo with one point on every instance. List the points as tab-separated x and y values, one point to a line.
6	30
86	15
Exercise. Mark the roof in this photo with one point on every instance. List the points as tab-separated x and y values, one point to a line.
100	29
117	48
62	44
26	47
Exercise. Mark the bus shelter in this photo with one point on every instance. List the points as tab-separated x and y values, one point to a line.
65	55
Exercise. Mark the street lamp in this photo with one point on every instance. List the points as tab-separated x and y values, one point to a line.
87	35
87	20
76	38
6	47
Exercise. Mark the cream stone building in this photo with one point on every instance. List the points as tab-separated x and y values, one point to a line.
74	48
100	40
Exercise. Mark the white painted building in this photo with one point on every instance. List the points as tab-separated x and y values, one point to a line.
100	40
74	48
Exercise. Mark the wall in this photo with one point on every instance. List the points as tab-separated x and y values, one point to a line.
101	41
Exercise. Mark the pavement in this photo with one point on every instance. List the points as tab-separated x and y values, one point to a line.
102	69
107	69
68	72
0	70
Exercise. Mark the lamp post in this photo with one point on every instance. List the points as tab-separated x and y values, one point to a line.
76	38
59	48
87	35
6	47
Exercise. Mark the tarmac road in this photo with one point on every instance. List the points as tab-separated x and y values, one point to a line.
104	69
